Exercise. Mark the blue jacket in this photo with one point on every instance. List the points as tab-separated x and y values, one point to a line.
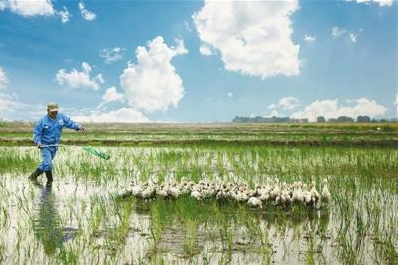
48	130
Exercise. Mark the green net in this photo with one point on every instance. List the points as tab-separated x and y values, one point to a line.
96	152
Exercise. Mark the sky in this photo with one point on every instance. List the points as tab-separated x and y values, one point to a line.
198	61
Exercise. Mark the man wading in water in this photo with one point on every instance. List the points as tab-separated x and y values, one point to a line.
46	136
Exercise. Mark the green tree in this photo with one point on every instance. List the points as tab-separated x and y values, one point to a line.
321	119
363	119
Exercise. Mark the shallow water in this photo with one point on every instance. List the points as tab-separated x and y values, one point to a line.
57	214
90	220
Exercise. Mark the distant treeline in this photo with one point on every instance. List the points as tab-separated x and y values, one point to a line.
319	119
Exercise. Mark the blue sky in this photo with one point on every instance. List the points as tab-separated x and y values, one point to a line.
198	61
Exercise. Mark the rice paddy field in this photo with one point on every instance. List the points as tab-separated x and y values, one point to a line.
88	215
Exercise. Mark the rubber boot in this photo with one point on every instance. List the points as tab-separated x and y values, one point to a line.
49	175
35	174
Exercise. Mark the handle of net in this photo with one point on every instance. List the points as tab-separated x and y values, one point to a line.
49	145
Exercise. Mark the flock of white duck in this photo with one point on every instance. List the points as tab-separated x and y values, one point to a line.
271	192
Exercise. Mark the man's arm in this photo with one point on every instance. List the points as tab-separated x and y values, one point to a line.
37	133
69	123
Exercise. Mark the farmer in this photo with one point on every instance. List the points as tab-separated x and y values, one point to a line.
48	132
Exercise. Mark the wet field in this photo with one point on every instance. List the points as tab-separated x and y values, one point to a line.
88	216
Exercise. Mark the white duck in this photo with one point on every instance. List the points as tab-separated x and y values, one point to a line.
265	191
275	190
222	194
162	191
285	195
242	196
148	193
254	202
196	193
297	193
325	195
315	196
174	191
190	185
136	190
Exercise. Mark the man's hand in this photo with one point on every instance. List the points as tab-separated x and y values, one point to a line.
81	128
39	145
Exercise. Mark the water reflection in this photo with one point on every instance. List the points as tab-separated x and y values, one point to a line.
47	224
188	232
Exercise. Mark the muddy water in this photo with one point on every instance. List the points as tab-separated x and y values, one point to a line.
57	224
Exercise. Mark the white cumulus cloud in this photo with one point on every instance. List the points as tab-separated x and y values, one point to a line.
286	103
337	32
111	95
380	2
151	84
180	49
253	37
64	15
29	8
3	80
205	50
87	15
353	37
11	108
123	115
187	26
9	104
274	113
112	55
82	79
333	109
309	38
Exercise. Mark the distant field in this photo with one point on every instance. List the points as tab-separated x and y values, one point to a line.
383	134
